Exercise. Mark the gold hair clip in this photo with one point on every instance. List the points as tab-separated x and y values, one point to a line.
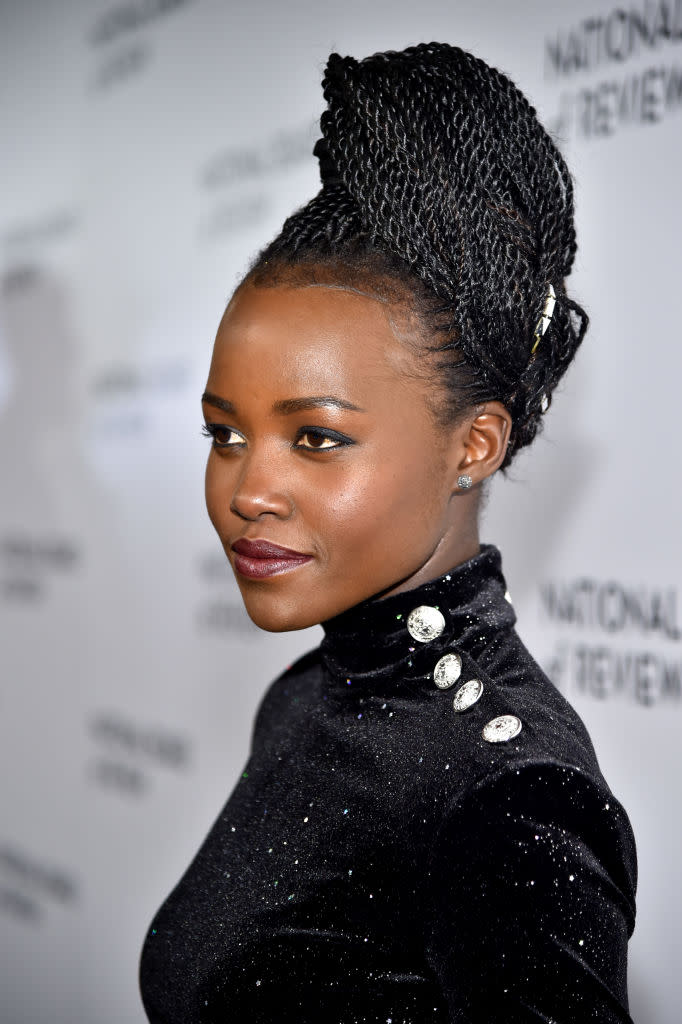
544	321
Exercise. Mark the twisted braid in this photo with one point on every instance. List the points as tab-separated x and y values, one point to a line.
436	173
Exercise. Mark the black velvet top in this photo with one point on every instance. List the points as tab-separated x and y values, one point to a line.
389	857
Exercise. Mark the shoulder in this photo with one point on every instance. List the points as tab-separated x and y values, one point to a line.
530	774
506	713
533	803
522	743
532	871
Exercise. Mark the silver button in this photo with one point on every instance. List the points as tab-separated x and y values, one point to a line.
447	671
425	623
501	729
467	694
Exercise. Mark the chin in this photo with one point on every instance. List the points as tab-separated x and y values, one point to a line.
277	616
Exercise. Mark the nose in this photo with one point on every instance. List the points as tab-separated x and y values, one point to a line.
257	491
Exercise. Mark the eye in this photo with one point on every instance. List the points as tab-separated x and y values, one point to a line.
223	436
317	440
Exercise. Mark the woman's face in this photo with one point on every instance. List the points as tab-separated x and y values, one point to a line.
323	444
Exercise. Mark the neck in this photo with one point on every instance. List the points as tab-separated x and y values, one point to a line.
370	642
459	544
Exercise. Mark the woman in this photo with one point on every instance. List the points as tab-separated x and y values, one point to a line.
421	832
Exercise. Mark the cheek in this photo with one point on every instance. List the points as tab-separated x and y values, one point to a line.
215	490
384	503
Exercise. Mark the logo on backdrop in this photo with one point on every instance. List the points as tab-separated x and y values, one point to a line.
53	226
605	43
614	641
238	181
29	564
29	886
129	754
220	609
116	35
127	396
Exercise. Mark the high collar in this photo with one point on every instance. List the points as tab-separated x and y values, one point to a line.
371	641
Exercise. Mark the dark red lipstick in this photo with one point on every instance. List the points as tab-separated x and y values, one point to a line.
257	559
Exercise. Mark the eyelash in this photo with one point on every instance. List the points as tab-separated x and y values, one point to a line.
341	440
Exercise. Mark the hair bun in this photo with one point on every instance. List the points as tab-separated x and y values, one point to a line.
430	156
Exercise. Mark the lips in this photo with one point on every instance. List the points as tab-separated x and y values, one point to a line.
257	559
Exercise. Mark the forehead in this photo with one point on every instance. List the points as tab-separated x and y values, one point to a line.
329	334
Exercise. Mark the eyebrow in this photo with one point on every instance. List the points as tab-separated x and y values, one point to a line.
209	398
287	405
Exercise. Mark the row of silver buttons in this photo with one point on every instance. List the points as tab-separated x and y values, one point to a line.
426	623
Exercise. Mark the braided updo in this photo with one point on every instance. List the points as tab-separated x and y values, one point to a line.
438	182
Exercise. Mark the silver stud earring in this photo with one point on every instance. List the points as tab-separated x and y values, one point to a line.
464	482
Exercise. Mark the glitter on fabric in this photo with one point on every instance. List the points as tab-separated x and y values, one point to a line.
438	877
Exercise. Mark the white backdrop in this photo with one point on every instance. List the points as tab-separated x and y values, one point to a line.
148	148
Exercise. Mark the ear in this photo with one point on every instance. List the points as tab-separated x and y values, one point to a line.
484	437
